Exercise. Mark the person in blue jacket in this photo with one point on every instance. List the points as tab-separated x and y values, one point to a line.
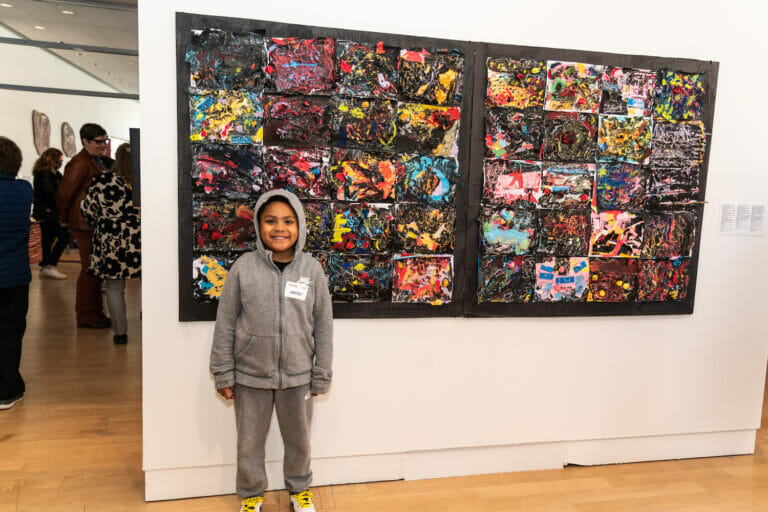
15	206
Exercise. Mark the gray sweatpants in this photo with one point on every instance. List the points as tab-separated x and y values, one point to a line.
253	413
115	291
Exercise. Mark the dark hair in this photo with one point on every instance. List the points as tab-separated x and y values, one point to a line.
122	165
10	157
48	161
273	199
90	131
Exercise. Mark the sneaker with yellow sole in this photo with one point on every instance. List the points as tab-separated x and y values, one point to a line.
252	504
302	502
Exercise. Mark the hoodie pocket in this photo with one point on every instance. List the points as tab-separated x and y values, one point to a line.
258	356
298	354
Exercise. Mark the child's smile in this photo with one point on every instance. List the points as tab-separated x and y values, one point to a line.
279	230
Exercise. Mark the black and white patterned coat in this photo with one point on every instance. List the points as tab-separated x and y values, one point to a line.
108	208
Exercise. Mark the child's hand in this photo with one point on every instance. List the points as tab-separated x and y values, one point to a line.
227	392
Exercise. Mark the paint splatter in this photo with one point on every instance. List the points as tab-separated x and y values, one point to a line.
680	96
233	171
573	87
561	279
627	92
564	232
223	225
367	70
209	271
567	186
511	183
362	228
569	137
508	231
515	83
421	229
616	234
318	218
361	176
302	66
427	179
230	117
676	162
360	278
624	139
296	120
431	76
668	235
423	279
220	59
662	281
301	171
619	186
513	135
612	280
427	129
506	278
362	123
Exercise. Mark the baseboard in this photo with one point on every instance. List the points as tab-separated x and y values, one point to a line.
176	483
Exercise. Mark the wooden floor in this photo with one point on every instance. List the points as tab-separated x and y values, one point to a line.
74	444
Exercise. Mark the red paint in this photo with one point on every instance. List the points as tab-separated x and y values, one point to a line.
380	48
345	67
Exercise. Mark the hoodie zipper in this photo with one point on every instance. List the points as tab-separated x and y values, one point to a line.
280	327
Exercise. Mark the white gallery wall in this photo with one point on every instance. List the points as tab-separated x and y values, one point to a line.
420	398
26	65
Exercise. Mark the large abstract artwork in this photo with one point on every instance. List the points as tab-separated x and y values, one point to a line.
444	178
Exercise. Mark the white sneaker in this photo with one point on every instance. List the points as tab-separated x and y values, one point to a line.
52	273
302	502
7	404
252	504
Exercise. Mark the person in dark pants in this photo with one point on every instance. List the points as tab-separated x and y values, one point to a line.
15	204
55	237
77	177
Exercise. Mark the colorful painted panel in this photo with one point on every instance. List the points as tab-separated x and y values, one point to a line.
569	137
511	183
506	278
573	87
619	186
431	76
616	234
624	139
427	129
567	186
362	123
508	231
515	83
362	228
662	281
627	92
209	271
676	162
513	135
668	235
361	176
424	279
302	171
561	279
427	179
302	66
422	229
230	117
367	70
319	218
612	280
679	96
223	225
360	278
234	171
220	59
296	120
564	232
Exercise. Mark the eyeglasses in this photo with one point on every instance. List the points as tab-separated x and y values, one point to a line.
101	141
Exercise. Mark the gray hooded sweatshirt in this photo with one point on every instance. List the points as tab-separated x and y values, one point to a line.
274	330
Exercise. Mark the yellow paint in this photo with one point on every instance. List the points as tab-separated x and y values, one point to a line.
447	79
216	276
440	95
359	267
339	229
626	286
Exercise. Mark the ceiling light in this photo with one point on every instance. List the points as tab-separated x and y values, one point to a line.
79	53
39	27
6	5
67	12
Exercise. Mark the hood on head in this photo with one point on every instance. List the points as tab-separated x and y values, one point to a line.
297	208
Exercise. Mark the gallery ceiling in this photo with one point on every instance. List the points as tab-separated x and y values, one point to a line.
110	24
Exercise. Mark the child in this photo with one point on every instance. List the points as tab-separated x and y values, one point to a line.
272	347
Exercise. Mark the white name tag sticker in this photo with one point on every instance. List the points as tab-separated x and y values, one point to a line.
295	290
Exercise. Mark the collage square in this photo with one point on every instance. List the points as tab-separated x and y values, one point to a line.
366	135
590	182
